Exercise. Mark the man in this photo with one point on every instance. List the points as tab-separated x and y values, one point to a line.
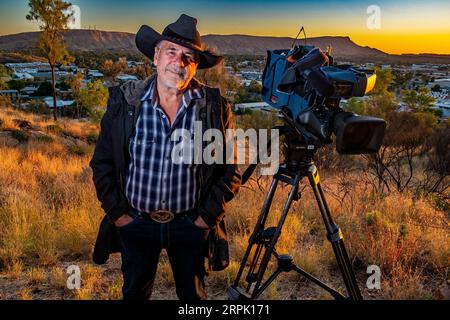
151	201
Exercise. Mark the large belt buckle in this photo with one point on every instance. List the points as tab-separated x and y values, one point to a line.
162	216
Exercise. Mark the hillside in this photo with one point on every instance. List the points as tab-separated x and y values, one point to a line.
94	40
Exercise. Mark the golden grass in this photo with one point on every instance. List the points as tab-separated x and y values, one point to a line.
25	294
58	278
48	203
115	290
91	282
407	238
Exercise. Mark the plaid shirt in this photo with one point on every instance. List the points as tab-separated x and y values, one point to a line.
154	181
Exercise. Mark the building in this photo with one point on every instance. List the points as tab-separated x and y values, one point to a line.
132	64
94	75
59	103
251	75
444	106
22	76
126	77
27	65
443	83
28	90
260	106
12	94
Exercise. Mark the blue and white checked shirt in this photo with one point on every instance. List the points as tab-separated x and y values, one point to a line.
154	181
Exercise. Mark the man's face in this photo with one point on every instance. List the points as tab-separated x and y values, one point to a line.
176	65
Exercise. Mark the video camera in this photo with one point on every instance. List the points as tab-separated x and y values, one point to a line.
307	87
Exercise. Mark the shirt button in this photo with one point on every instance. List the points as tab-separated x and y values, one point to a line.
163	202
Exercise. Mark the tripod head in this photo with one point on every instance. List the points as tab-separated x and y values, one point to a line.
297	152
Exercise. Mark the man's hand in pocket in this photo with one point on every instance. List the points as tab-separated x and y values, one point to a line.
123	220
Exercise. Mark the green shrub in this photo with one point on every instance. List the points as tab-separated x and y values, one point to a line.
54	128
373	217
44	139
38	107
79	149
92	138
20	135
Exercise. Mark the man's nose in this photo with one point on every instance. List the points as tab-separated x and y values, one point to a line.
182	62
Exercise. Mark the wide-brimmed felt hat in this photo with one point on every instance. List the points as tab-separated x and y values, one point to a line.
183	32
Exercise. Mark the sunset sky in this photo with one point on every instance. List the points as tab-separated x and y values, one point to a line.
406	26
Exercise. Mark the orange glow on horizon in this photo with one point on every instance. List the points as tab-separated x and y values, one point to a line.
406	43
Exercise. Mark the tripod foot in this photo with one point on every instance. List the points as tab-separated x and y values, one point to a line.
236	293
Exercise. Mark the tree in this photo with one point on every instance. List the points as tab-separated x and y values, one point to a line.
436	88
438	167
418	100
75	84
45	89
143	71
382	101
4	71
89	98
52	17
219	77
385	79
402	78
357	106
4	76
405	140
16	84
112	69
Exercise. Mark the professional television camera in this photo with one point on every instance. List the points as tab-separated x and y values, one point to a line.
307	88
320	85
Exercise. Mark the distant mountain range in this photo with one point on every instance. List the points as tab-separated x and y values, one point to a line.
93	40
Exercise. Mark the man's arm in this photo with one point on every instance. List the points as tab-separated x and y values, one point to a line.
107	186
228	182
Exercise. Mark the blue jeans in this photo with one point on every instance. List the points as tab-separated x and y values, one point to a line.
141	242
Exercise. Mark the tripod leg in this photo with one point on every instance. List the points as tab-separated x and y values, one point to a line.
257	231
310	277
334	235
267	283
268	254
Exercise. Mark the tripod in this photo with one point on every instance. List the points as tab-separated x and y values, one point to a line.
299	164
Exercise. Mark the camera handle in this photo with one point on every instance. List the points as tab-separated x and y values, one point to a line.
264	241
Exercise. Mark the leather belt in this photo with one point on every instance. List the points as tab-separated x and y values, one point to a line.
162	216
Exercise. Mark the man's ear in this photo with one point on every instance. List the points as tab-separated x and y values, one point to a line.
155	57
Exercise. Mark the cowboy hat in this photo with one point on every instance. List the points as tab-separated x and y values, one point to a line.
183	32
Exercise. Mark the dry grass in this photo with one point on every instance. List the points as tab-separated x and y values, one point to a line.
48	207
36	276
49	215
91	282
407	238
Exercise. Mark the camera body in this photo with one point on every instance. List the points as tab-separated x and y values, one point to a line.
305	85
